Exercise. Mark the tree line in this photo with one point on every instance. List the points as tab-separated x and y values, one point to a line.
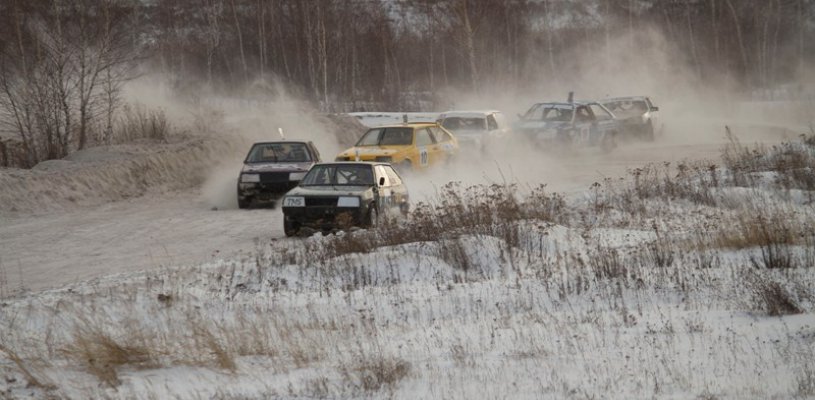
62	62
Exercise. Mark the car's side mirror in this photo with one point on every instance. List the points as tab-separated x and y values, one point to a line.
654	108
382	181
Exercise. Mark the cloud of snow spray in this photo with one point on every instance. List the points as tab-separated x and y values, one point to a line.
255	115
693	110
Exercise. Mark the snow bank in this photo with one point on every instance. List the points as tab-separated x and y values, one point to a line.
104	174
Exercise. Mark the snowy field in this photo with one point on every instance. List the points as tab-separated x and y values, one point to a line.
688	280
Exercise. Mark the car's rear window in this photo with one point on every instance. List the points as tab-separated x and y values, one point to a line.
397	136
627	108
550	112
278	152
464	124
339	174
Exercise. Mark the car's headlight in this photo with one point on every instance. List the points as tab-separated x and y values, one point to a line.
297	176
294	201
386	159
348	201
250	178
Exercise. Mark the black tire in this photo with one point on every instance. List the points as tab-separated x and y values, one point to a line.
648	132
608	142
244	203
290	228
404	167
373	218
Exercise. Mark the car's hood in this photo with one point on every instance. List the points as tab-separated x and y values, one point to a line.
329	190
277	167
542	125
372	150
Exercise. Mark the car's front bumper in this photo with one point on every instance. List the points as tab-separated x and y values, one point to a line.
325	218
264	191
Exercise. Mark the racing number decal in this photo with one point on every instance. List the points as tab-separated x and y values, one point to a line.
423	156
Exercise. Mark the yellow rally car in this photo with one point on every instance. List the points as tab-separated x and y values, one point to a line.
406	146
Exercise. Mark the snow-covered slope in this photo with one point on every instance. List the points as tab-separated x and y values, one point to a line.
674	283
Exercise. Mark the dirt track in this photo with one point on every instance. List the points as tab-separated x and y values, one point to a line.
50	250
181	228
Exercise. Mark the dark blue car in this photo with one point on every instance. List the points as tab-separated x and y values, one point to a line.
570	123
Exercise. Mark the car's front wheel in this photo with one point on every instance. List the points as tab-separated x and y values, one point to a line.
649	131
609	142
373	218
289	228
244	203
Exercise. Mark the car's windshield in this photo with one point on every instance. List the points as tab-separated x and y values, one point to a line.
339	174
550	112
387	137
278	152
627	108
465	124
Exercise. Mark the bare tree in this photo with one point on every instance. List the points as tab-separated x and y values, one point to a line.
68	62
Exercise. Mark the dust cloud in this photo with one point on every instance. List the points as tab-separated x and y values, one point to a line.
259	113
694	111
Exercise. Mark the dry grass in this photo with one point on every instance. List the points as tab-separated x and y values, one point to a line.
139	122
805	383
783	237
101	354
607	263
376	373
491	210
204	338
792	162
770	296
32	377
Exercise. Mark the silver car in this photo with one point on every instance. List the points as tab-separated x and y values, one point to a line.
475	129
638	114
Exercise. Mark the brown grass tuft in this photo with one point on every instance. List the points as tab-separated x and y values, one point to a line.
101	354
770	296
374	374
30	376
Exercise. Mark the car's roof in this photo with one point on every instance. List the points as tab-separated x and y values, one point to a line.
371	163
626	98
567	104
467	113
281	142
556	103
407	125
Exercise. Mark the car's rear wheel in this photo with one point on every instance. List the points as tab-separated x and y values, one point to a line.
404	167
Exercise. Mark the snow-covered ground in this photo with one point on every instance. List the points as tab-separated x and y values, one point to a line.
641	283
554	312
172	221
